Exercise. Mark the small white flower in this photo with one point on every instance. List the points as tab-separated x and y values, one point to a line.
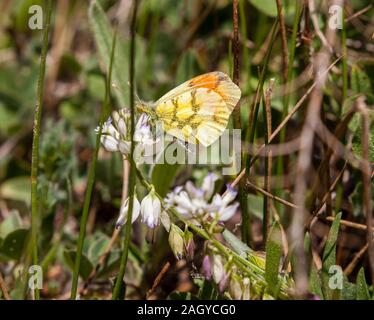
151	210
192	202
227	212
229	196
219	206
109	143
124	212
122	127
193	192
208	185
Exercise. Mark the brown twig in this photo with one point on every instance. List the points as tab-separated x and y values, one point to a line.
358	13
282	25
317	29
267	182
352	265
158	279
331	189
271	196
4	288
236	70
347	223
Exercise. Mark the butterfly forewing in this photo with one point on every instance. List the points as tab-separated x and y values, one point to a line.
198	110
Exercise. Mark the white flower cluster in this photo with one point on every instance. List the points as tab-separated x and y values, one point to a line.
193	202
116	134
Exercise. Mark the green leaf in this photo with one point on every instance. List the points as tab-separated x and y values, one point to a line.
273	255
349	290
97	248
163	176
315	283
329	256
356	127
18	188
268	7
14	243
86	266
360	81
11	223
237	245
256	205
103	35
362	290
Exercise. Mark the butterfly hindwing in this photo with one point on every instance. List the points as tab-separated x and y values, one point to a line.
199	109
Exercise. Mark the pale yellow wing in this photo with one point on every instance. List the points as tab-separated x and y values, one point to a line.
199	109
216	81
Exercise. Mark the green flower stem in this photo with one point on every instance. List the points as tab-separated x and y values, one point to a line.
132	176
91	175
35	145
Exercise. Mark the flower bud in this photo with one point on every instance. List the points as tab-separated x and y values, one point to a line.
176	241
246	295
151	209
165	220
207	267
124	212
235	288
189	243
218	269
222	285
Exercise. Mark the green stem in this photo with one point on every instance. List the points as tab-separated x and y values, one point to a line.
252	123
36	138
91	175
132	176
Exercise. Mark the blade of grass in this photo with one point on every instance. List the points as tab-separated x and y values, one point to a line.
273	256
118	287
91	174
329	256
257	97
286	94
36	138
252	124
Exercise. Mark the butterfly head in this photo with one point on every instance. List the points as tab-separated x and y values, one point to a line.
147	108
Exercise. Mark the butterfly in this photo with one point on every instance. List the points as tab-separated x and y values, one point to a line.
198	110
